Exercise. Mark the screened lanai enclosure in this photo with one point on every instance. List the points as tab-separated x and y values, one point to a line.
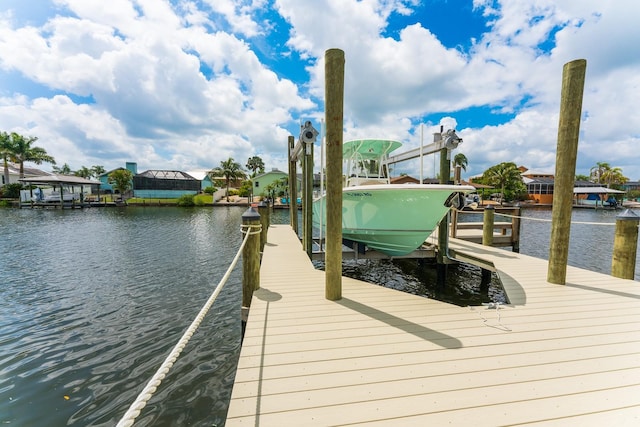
164	184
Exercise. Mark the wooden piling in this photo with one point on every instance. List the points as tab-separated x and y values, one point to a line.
263	210
457	171
443	227
250	256
293	186
334	99
307	208
573	78
625	245
488	220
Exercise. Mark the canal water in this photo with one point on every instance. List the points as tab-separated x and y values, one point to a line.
92	301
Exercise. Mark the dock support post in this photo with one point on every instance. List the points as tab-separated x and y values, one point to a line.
487	225
250	260
487	240
454	213
334	100
443	227
263	210
515	230
307	193
573	77
293	187
625	245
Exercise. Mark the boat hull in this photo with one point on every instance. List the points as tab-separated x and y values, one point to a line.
393	219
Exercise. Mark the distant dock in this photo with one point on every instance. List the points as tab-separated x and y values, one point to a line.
555	355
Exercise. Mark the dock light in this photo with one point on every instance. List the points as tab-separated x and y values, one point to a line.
308	135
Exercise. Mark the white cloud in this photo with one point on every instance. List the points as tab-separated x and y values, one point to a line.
184	84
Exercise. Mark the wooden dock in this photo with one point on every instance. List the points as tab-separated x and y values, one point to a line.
556	355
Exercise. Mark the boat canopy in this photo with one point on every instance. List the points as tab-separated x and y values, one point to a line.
596	190
369	149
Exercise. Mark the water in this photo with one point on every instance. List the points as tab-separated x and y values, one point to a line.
590	245
92	301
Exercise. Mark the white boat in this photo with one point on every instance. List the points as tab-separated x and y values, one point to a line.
395	219
54	197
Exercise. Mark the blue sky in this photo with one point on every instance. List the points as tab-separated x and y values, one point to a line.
185	84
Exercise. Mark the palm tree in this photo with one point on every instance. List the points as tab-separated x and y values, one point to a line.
254	164
63	170
84	172
25	152
597	171
613	176
97	170
6	151
229	169
505	176
460	160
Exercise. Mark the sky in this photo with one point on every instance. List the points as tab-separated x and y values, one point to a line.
186	84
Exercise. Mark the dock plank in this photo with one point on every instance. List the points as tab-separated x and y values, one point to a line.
556	355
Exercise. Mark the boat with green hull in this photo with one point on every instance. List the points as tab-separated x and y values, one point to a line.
395	219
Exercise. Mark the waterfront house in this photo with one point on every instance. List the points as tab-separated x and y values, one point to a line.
262	181
14	173
404	179
107	188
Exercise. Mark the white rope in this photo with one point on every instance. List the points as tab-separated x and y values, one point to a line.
546	219
550	220
145	395
496	306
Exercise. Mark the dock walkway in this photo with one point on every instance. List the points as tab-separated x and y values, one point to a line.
556	355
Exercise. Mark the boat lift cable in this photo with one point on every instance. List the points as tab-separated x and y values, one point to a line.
145	395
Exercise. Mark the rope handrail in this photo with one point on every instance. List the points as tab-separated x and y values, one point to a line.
544	219
145	395
550	220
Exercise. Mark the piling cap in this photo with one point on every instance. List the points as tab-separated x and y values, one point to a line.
628	215
250	215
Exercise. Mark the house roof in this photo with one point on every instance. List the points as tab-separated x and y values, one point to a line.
14	169
166	174
60	179
199	174
273	171
596	190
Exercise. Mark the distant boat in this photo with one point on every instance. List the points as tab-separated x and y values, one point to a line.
395	219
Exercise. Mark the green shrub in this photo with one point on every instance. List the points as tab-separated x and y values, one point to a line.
5	204
245	189
12	191
186	200
210	190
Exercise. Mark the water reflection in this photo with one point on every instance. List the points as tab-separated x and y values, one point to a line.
94	300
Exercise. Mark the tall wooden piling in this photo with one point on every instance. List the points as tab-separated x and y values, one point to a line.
307	208
250	261
293	186
263	210
250	255
573	78
625	245
334	99
443	227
